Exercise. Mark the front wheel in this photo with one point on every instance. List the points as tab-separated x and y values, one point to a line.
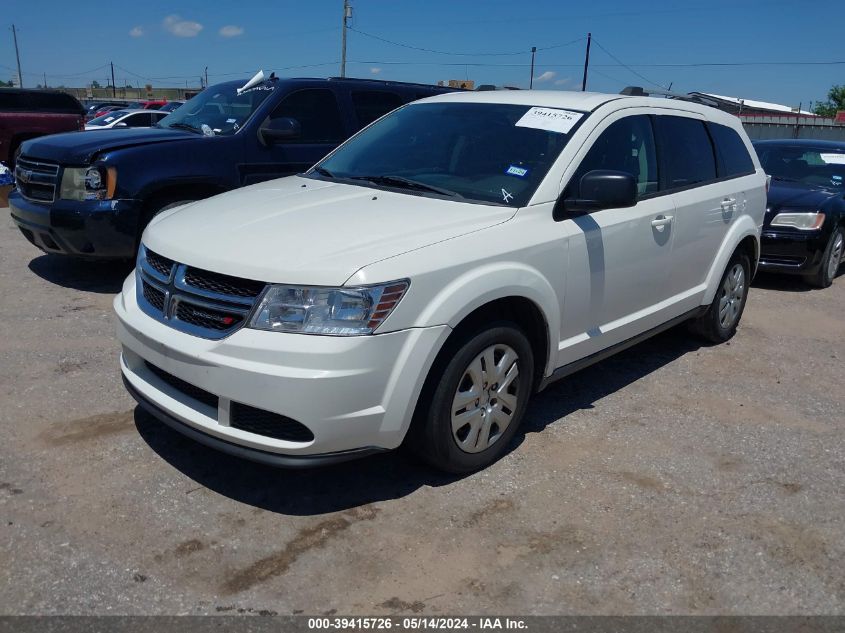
719	323
475	400
831	260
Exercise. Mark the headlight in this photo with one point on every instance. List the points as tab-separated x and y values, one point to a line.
805	221
88	183
331	311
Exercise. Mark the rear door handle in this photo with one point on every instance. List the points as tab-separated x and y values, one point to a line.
661	221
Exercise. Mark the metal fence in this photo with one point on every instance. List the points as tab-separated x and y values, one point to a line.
760	127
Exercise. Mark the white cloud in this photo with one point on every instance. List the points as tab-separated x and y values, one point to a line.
375	71
181	28
230	30
546	76
136	31
560	82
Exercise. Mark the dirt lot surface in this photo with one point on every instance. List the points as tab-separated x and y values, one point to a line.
673	478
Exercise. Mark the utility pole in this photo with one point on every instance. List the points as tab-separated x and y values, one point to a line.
18	56
45	80
113	89
206	76
531	80
347	13
586	62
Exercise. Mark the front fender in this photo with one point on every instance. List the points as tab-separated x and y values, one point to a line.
739	230
449	304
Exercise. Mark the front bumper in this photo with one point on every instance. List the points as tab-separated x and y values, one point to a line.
791	251
90	229
356	395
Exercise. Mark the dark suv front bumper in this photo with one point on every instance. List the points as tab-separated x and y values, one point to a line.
101	229
792	252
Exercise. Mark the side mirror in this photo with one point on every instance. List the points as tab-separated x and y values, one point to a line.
278	130
121	124
599	189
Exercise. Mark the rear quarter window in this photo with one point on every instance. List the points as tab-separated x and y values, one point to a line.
732	154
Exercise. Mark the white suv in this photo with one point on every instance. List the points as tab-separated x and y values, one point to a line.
421	282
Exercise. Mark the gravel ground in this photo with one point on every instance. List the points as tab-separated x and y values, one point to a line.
673	478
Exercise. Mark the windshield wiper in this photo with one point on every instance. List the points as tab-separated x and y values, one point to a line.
406	183
785	179
185	126
323	172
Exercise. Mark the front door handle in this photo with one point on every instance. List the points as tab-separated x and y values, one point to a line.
661	221
728	203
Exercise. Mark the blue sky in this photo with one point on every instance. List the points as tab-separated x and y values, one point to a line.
169	42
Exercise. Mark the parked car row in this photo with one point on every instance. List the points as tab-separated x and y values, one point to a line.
99	108
417	283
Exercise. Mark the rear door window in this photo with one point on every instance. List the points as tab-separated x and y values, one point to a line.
733	156
373	104
687	152
142	119
317	112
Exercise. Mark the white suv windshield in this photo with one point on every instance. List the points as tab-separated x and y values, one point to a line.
479	152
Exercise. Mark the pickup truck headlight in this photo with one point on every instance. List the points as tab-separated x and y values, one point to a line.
88	183
807	221
330	311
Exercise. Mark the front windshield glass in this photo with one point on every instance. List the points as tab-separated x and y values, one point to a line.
219	110
109	117
479	152
809	166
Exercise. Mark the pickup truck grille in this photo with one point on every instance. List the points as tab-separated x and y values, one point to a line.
36	180
199	302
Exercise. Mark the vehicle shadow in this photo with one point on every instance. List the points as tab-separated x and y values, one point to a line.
79	274
396	474
786	283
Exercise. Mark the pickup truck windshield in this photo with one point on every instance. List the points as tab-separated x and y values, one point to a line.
479	152
219	110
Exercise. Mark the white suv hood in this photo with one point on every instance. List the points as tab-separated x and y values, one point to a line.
305	231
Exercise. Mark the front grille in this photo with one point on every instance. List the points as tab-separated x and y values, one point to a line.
223	284
154	296
160	264
193	392
261	422
192	300
204	317
36	180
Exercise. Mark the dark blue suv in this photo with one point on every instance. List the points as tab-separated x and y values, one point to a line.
90	194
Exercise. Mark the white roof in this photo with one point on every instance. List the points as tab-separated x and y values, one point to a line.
750	103
570	99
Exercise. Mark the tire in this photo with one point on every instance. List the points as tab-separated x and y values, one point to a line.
831	260
490	419
719	323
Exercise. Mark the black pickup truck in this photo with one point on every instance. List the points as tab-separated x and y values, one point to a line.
90	194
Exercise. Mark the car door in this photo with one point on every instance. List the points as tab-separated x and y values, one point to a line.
705	204
619	259
322	128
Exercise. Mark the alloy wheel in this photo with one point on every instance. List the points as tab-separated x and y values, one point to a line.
835	255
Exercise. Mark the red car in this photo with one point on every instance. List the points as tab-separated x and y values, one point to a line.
150	104
26	114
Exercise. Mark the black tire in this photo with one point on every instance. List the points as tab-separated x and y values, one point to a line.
431	435
712	326
827	270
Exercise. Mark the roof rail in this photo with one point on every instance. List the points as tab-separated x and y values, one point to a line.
388	81
638	91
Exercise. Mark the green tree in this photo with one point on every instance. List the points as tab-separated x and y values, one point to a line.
95	84
835	102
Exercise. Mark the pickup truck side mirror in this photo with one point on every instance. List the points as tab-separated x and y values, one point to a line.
277	130
599	189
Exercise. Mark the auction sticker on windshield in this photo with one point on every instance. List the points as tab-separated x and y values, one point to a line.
833	159
550	119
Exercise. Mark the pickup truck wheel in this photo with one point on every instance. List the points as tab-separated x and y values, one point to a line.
478	400
831	260
719	323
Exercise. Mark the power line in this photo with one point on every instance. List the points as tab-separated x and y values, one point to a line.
621	63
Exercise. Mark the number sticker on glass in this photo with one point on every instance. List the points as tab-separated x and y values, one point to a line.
550	119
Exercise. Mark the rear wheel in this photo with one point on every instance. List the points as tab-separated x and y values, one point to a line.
719	323
831	260
475	400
